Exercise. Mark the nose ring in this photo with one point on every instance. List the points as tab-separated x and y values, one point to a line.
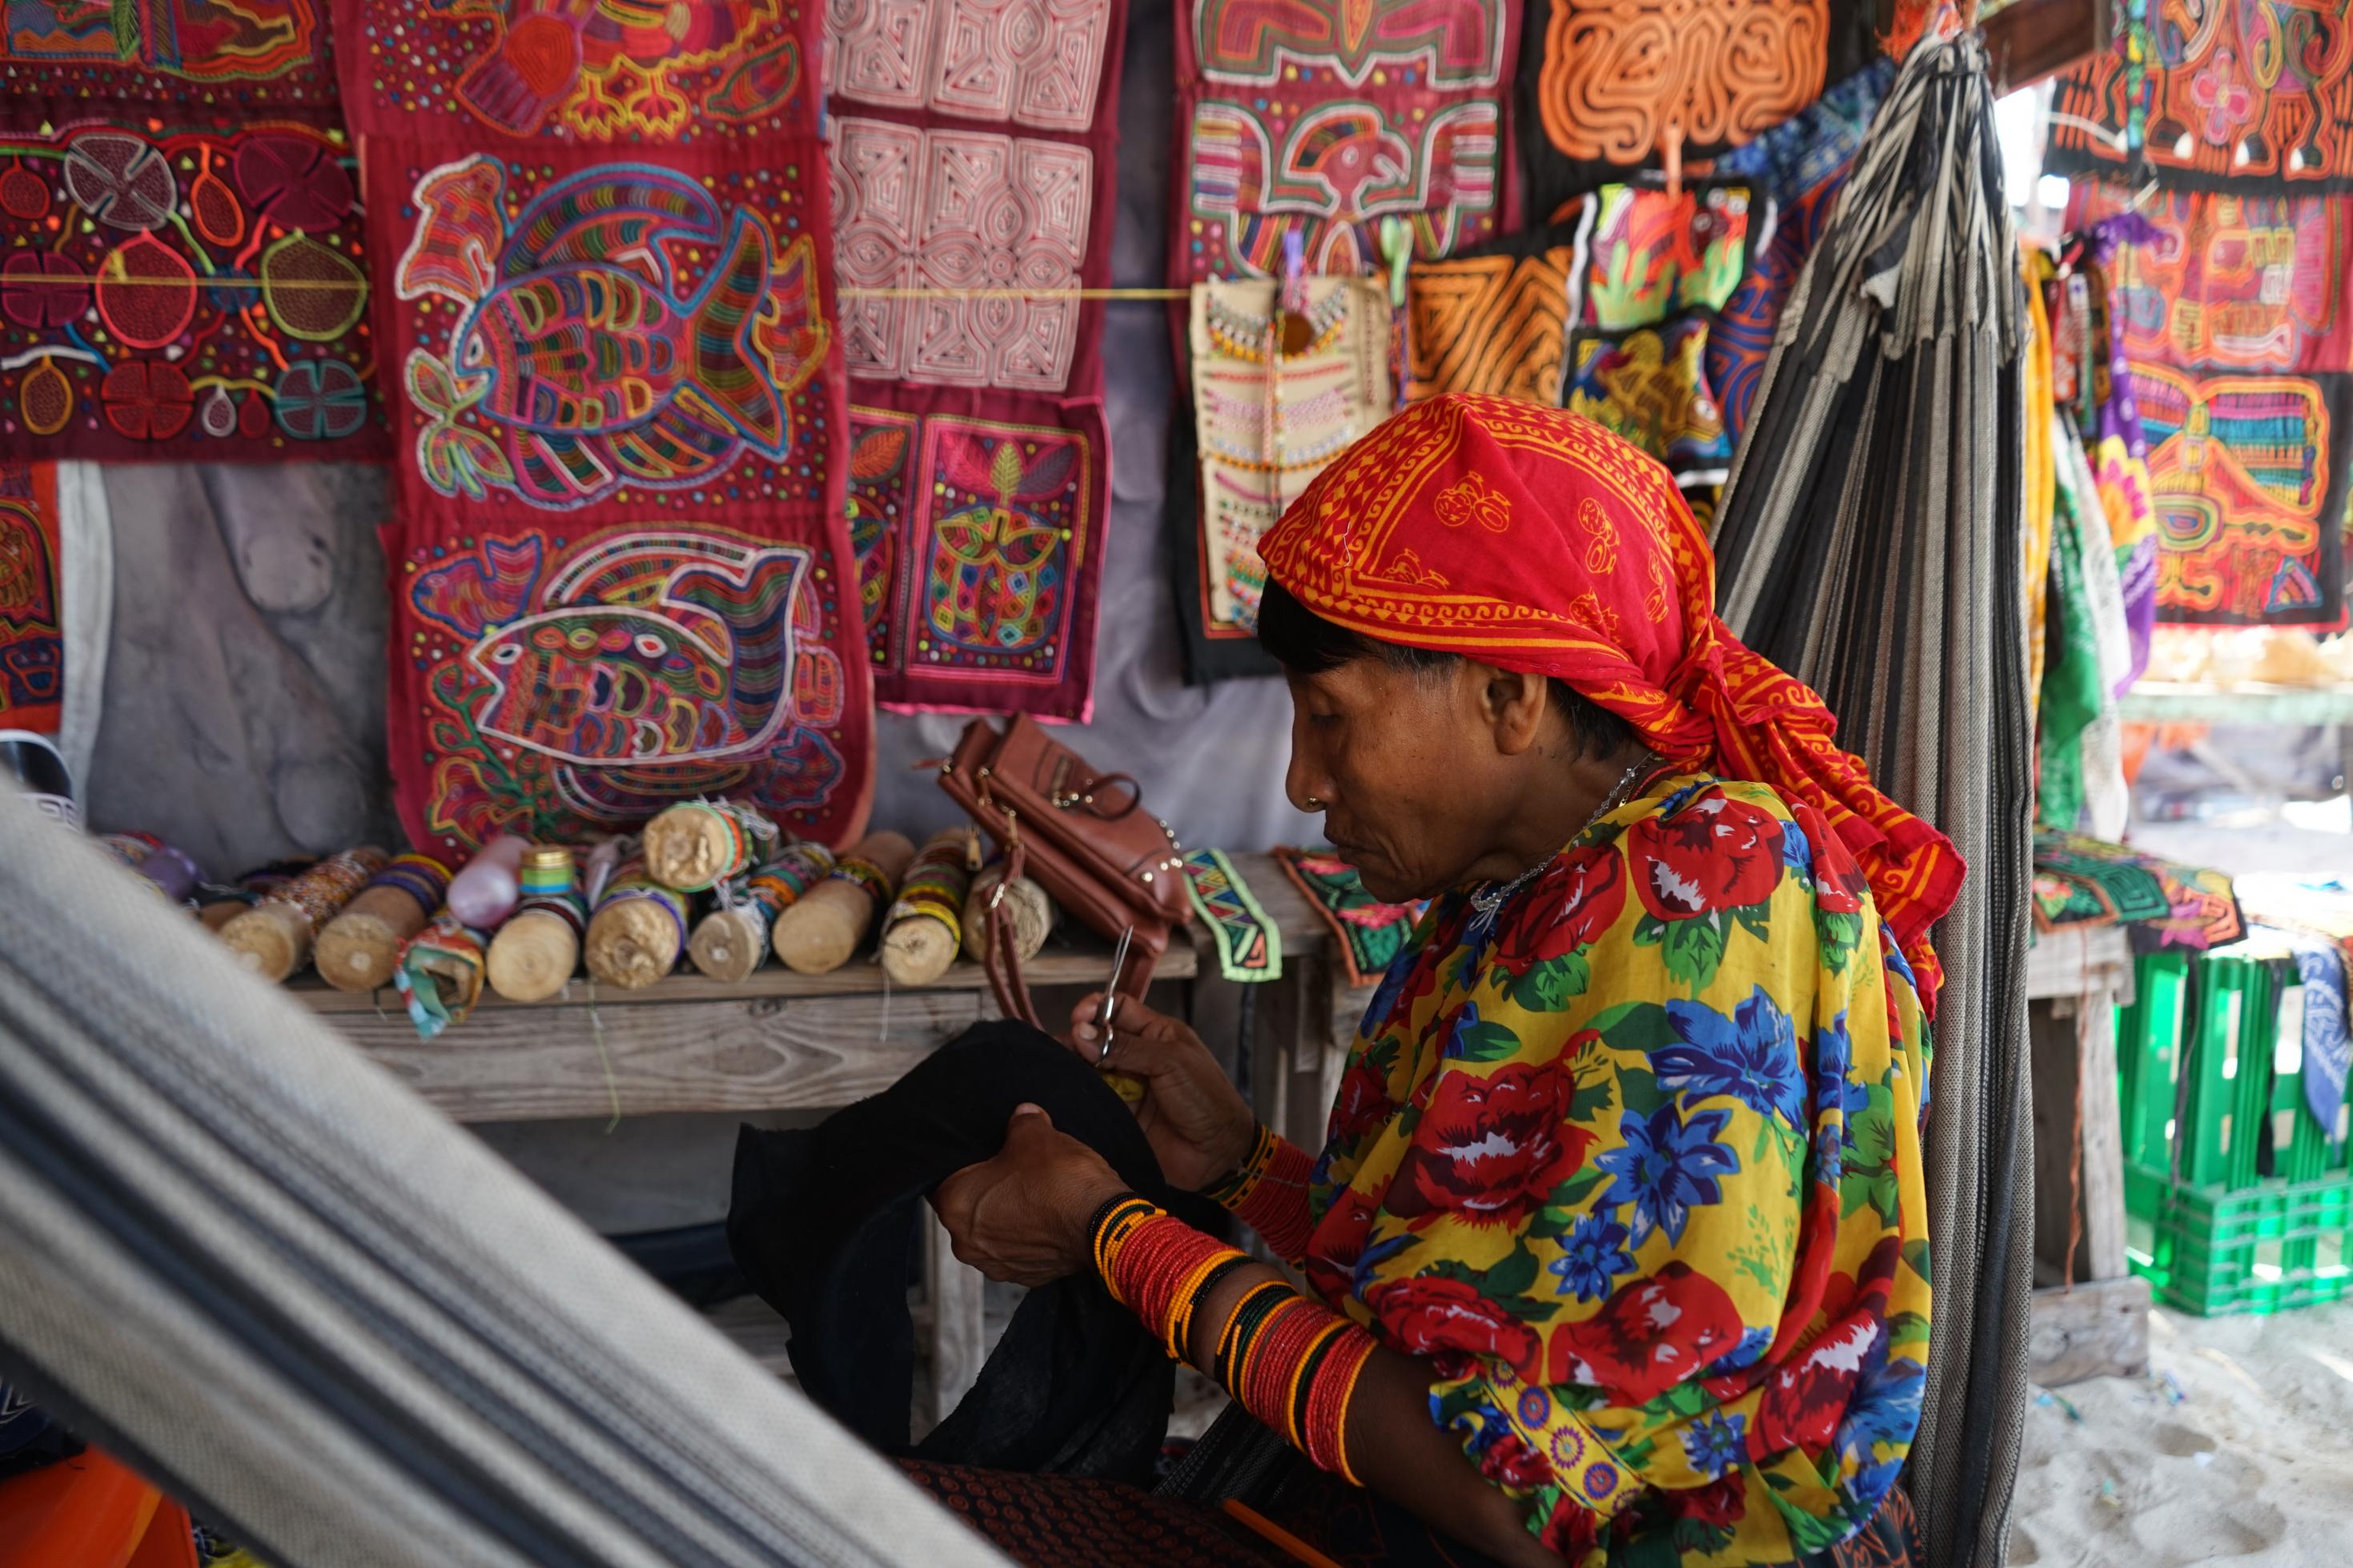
1314	804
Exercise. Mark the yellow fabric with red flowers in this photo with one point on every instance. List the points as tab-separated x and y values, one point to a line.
1538	542
1633	1155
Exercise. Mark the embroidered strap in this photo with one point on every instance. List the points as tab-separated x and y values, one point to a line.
1249	947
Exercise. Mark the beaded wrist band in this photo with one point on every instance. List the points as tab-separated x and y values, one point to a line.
1268	1193
1293	1363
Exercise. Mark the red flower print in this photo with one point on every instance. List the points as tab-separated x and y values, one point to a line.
1338	1241
1571	1529
1717	853
1423	1317
1723	1504
1363	1103
1839	883
1652	1334
1508	1461
1566	908
1490	1149
1802	1402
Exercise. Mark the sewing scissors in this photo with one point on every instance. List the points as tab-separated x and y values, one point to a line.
1111	993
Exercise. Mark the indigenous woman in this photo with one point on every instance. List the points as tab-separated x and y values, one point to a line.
1617	1244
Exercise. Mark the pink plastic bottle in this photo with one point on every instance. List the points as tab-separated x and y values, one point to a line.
484	894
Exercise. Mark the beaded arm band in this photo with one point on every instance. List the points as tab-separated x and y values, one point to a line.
1268	1193
1291	1362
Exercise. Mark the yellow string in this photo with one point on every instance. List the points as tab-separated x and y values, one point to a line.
348	285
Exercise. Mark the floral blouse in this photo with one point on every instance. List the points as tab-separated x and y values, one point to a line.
1634	1157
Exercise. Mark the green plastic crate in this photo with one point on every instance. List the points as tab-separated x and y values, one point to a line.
2212	1251
2149	1056
2231	1025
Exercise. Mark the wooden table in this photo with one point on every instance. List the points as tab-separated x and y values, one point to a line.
782	1041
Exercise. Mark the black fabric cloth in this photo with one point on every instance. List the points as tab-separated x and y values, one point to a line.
823	1221
1207	659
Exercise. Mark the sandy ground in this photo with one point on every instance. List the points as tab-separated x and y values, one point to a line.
2237	1447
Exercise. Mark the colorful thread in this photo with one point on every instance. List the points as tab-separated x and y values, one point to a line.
935	886
866	876
793	871
631	882
328	886
421	876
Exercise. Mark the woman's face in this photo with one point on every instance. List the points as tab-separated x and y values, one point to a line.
1406	767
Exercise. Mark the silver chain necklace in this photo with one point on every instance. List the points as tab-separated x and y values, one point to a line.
1488	900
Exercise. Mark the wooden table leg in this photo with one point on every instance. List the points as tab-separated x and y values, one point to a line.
958	1337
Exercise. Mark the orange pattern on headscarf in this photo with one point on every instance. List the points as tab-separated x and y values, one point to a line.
1534	540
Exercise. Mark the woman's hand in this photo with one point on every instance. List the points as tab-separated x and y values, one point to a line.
1022	1216
1194	1118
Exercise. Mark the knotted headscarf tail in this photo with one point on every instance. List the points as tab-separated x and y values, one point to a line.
1537	541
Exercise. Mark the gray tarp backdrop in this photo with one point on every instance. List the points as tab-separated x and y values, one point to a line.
244	705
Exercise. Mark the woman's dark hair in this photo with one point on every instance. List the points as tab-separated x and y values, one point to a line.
1304	643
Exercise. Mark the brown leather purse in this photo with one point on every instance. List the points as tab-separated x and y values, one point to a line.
1083	836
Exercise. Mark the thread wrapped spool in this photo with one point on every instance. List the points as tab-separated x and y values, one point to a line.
697	844
534	953
924	928
440	974
1032	911
274	937
639	930
732	939
219	904
360	948
170	869
817	934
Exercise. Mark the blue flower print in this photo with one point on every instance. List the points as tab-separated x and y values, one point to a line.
1798	851
1835	1090
1886	1404
1715	1442
1594	1254
1751	1056
1666	1167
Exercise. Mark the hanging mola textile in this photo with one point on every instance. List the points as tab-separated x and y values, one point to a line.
185	275
2249	97
973	155
2232	331
1869	542
621	572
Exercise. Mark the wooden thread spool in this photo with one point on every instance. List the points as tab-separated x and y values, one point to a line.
220	905
360	947
923	930
534	953
819	934
1032	911
639	930
697	844
274	937
440	974
732	939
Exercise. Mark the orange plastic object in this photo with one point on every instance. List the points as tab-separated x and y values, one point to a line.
90	1512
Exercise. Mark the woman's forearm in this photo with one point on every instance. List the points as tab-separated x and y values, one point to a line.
1269	1193
1392	1445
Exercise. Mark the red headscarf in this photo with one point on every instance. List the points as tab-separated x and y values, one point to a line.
1534	540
